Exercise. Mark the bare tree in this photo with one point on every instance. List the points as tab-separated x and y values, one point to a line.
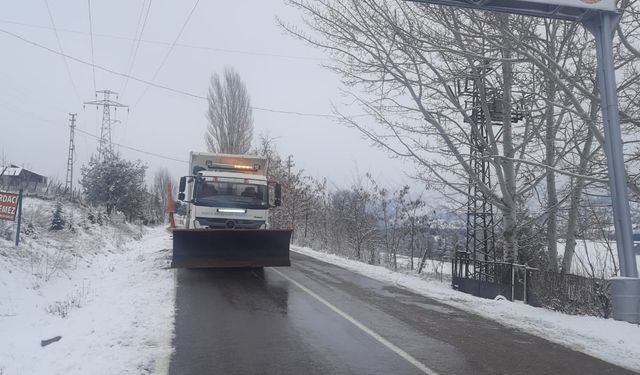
230	117
161	180
391	215
412	214
407	61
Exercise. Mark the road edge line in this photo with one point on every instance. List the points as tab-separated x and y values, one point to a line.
162	364
406	356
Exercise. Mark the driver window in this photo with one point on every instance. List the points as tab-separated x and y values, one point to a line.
249	191
208	190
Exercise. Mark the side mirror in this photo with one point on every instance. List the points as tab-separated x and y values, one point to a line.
181	196
183	184
278	195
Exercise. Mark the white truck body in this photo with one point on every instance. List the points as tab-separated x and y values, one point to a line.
227	191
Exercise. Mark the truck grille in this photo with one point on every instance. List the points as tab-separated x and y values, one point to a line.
229	223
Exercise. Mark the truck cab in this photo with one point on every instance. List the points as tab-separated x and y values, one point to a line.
228	191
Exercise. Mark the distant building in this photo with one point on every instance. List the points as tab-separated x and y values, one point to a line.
14	178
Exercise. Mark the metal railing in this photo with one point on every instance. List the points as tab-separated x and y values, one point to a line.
567	293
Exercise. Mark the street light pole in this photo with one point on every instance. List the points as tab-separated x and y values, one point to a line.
625	290
602	27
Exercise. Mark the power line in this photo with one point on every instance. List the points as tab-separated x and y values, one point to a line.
304	114
135	46
135	149
108	70
93	68
183	45
166	56
84	132
163	87
66	64
184	25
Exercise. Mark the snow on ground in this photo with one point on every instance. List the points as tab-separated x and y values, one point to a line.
105	289
432	268
607	339
591	259
594	258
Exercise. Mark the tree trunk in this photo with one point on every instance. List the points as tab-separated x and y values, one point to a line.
574	210
510	202
424	255
411	242
552	194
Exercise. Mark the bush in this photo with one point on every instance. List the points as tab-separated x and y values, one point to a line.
64	307
7	231
96	217
29	229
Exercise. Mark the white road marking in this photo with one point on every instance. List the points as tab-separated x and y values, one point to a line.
163	357
406	356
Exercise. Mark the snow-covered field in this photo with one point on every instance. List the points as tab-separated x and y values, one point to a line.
607	339
104	289
592	258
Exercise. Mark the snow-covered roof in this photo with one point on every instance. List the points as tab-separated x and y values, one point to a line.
12	171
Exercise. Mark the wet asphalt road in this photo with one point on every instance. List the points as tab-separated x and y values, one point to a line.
262	322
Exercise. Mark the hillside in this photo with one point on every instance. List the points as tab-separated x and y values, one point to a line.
101	286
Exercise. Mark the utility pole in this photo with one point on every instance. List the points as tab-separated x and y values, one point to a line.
291	191
289	165
105	145
68	186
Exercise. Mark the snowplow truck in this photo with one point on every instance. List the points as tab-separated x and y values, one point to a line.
228	198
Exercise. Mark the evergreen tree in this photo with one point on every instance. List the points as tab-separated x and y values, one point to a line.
57	220
116	184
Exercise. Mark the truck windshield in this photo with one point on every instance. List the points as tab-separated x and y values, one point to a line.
231	194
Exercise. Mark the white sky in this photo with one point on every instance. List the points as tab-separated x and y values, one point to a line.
36	93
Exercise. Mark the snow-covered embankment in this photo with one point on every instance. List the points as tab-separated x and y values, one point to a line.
104	289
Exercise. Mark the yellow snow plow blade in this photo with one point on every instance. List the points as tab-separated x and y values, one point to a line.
230	248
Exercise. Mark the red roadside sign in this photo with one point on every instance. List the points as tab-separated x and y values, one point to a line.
8	206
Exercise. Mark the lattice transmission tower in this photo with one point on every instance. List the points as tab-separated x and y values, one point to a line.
68	186
105	145
481	221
